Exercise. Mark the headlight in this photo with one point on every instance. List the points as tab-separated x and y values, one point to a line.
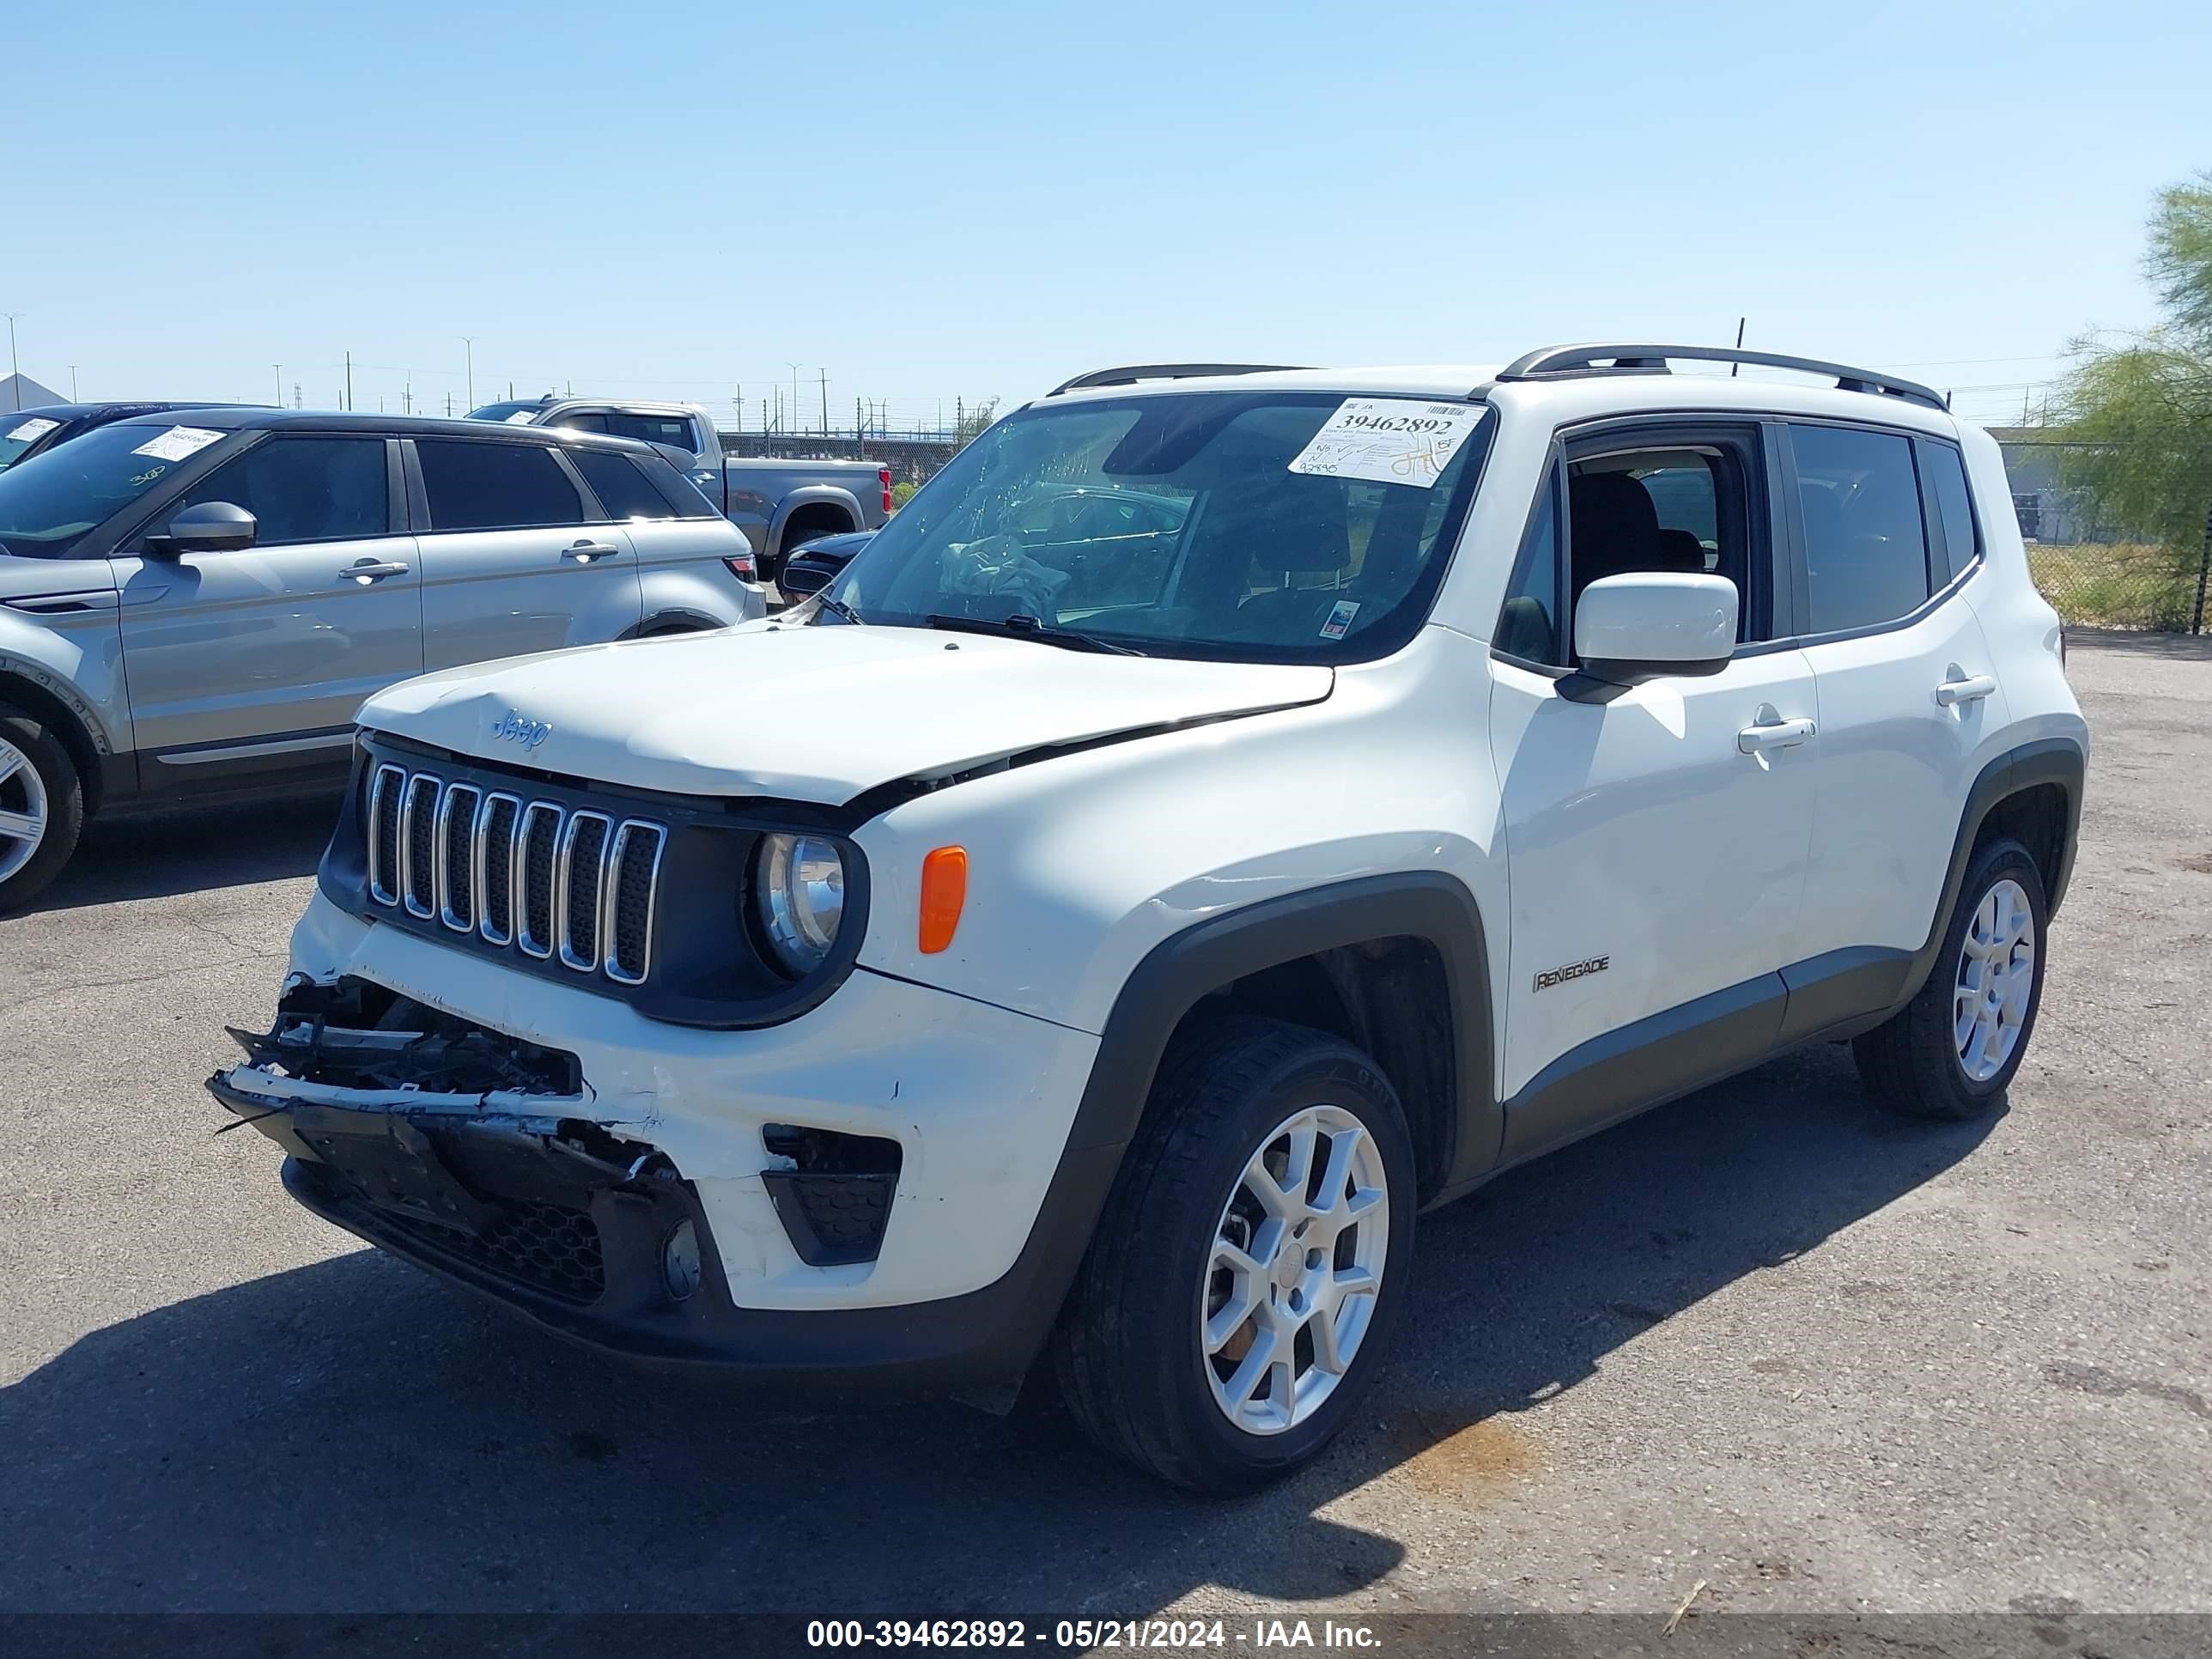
799	894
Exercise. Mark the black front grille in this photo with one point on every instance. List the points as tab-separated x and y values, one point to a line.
541	841
419	823
568	881
457	818
586	838
499	867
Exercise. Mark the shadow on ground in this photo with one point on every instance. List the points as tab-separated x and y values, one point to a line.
193	851
351	1435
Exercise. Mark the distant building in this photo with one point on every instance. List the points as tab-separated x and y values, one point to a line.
22	392
2046	509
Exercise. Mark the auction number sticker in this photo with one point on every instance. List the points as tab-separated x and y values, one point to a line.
1388	441
33	430
177	443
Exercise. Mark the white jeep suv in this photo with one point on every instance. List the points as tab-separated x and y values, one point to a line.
1237	810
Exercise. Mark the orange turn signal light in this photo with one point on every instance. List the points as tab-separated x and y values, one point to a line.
944	890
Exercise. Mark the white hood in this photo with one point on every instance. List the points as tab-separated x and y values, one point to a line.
815	714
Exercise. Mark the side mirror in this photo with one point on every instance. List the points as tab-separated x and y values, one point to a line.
1651	622
210	527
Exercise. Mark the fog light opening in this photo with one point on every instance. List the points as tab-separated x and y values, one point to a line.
679	1261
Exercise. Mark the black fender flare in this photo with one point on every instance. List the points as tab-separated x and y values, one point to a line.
2062	761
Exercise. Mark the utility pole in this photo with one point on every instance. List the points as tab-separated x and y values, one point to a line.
407	391
348	402
825	403
297	402
795	398
279	367
860	427
449	405
15	365
468	345
72	382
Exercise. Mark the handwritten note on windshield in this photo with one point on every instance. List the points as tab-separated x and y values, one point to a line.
1388	441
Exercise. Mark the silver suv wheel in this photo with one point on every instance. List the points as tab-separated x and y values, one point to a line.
23	810
1995	977
1297	1263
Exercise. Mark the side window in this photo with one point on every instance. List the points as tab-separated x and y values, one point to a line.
495	486
304	489
584	421
675	429
1866	554
1528	624
1955	508
620	487
1681	507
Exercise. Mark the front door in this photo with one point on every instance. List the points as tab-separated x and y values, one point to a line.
256	659
1656	835
515	560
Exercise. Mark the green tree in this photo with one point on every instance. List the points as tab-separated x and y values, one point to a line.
973	421
2143	408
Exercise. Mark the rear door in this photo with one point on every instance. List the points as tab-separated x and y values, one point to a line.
516	557
1907	685
261	657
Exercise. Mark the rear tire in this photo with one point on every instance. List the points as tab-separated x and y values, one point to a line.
1219	1377
1952	1050
41	808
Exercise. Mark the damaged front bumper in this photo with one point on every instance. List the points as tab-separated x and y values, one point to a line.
492	1161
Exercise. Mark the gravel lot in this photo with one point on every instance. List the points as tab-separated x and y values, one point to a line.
1766	1337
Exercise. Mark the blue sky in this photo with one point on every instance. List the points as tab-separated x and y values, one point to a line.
975	201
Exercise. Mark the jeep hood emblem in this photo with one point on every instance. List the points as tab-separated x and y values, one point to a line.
514	728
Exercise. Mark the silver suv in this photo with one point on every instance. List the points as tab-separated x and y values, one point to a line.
192	604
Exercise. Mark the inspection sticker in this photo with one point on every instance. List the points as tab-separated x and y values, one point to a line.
33	429
1340	619
1388	440
178	442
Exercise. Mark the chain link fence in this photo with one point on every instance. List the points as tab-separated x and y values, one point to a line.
2096	574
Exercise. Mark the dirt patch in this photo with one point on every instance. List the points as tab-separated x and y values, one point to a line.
1459	1461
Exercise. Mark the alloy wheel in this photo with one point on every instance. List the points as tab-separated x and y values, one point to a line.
1996	978
23	810
1296	1261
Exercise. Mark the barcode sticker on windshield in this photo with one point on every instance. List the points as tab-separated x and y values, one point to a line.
1388	441
33	430
522	417
178	442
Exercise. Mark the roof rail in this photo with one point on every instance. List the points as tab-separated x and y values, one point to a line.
1137	372
1564	362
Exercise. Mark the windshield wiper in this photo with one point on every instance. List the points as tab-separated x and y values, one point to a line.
823	598
1023	626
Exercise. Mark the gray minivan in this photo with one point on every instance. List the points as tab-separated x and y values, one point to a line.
193	605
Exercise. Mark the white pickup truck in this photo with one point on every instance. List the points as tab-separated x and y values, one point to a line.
779	504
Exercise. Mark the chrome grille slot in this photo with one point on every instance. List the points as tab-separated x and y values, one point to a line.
456	857
537	846
633	875
569	885
493	860
383	833
580	878
418	813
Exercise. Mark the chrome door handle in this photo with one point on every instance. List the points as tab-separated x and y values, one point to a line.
372	570
1952	693
585	552
1773	734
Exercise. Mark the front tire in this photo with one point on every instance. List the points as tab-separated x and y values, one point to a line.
1239	1293
41	808
1952	1050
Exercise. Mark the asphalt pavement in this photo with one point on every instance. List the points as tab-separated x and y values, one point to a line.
1767	1338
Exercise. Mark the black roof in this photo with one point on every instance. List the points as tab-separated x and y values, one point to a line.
243	418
